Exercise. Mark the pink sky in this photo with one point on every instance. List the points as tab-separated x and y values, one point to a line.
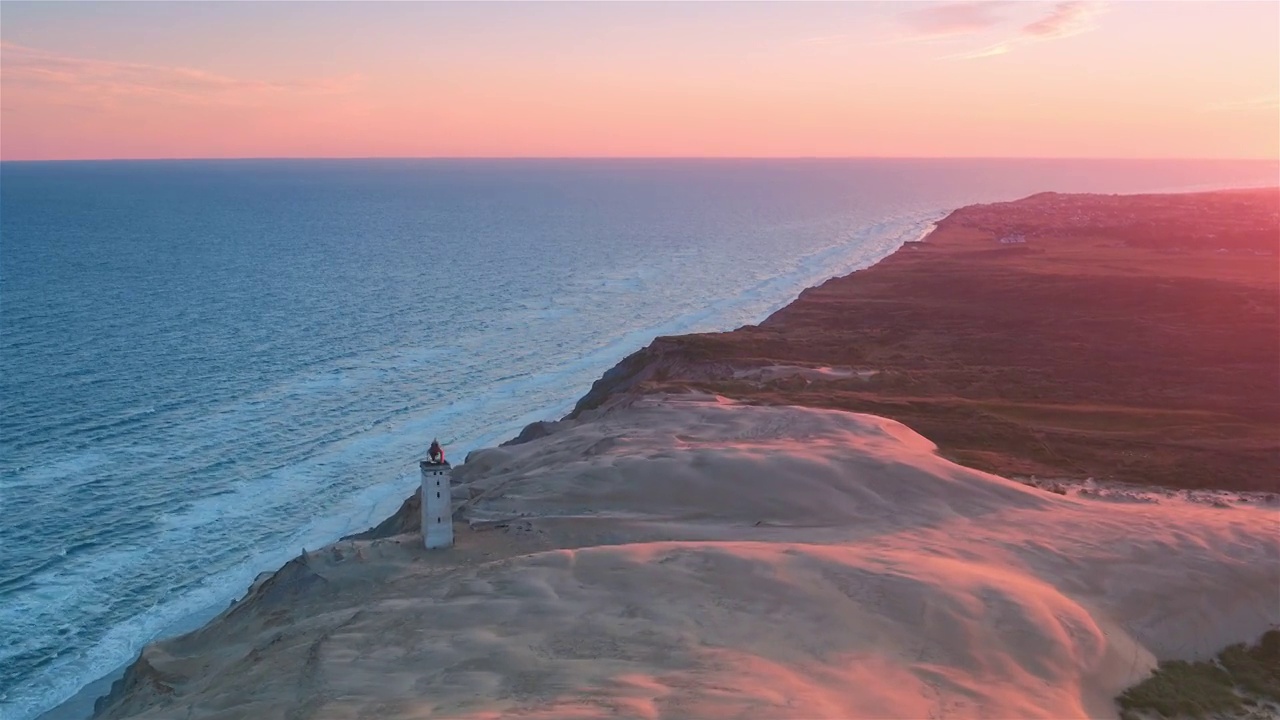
300	79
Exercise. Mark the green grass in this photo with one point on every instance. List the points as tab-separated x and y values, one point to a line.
1226	686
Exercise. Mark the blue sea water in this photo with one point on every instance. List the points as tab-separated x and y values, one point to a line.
208	365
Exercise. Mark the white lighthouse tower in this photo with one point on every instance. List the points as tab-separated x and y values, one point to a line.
437	501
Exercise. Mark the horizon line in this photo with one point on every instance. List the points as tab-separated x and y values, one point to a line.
638	157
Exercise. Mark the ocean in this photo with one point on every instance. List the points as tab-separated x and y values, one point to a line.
206	366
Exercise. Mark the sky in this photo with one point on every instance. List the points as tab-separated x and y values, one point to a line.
612	79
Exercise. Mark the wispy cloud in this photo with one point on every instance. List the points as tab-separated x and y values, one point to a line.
988	51
1065	19
80	80
954	18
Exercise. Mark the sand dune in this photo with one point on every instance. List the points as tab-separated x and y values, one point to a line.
686	556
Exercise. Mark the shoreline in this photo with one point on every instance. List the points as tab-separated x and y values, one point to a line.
1055	335
833	261
580	409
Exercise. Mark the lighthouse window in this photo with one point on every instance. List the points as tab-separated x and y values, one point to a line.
437	520
437	494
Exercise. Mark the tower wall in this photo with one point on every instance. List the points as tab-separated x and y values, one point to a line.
437	505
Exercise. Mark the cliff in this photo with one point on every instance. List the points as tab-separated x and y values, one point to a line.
1121	338
705	483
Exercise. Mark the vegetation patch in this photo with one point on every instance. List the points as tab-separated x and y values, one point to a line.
1241	682
1132	341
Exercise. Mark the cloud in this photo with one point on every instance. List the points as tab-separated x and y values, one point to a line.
1065	19
988	51
952	19
79	80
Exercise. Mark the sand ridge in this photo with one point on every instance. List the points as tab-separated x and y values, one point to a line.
690	556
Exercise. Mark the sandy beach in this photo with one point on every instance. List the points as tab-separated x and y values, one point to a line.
715	533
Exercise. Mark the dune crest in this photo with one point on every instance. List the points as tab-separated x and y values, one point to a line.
689	556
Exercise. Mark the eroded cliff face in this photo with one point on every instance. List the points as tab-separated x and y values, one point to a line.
668	364
644	364
158	674
142	687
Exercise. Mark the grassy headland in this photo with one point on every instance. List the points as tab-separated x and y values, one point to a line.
1127	338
